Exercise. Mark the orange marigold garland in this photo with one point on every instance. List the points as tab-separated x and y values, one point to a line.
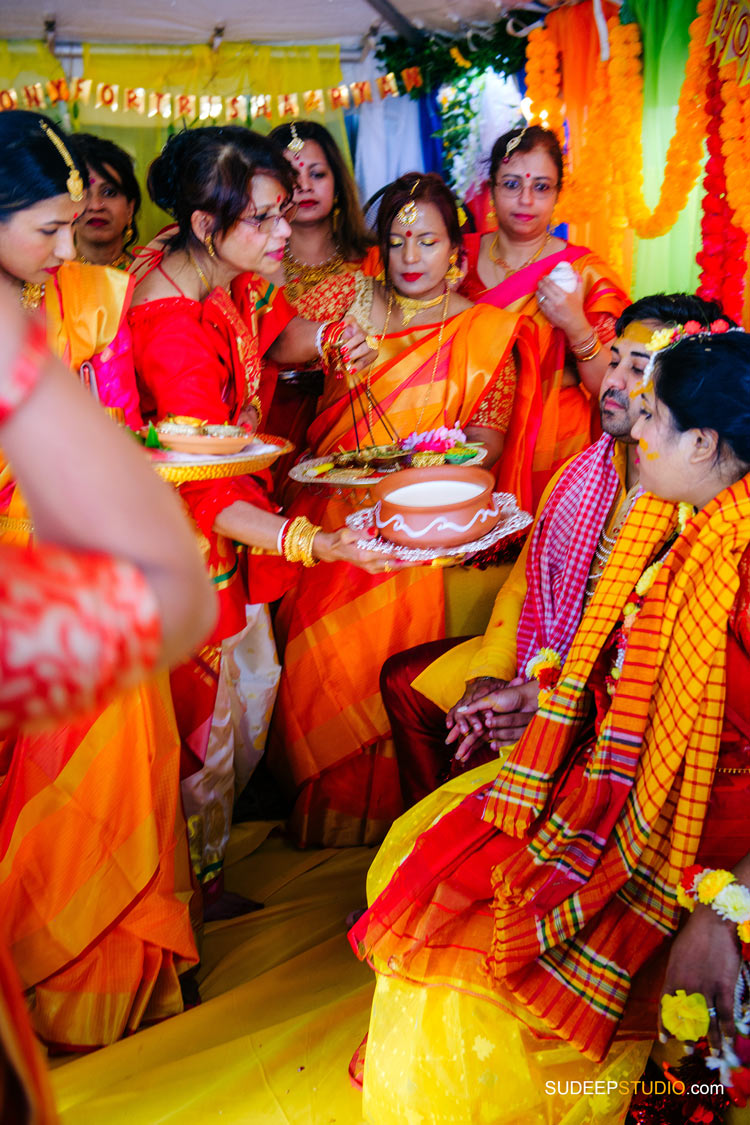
735	136
724	242
685	148
543	83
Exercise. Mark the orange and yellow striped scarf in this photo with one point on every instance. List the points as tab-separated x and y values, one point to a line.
590	897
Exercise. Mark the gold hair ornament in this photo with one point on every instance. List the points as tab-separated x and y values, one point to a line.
296	144
74	183
408	214
513	144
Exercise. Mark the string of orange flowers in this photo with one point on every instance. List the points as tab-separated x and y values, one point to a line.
619	107
686	146
543	83
735	135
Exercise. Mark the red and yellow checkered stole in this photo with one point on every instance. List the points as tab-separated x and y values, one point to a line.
587	900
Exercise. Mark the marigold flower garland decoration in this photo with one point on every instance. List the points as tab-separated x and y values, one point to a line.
543	83
724	242
685	149
735	137
614	141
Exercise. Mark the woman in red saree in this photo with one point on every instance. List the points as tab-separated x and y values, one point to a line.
475	367
528	914
510	268
93	860
230	192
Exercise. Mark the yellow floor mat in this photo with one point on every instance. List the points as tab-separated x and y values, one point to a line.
285	1004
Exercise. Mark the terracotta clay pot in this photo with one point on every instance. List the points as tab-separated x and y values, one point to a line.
443	506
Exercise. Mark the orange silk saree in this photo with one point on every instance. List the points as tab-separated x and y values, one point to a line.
330	743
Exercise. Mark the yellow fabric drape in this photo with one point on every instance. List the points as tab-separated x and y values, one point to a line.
24	62
235	68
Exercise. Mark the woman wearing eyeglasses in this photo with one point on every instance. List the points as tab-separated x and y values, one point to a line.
230	192
575	315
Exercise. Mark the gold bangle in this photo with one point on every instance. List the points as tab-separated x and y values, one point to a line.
298	541
255	403
590	354
588	348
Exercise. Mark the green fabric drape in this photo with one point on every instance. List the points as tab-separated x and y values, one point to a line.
666	263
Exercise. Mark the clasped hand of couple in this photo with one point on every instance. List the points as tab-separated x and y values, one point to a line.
491	713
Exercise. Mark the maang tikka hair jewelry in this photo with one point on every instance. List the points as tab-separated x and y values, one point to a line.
296	144
74	182
513	144
408	214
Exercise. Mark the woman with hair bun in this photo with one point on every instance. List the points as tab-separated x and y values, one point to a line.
440	361
230	192
109	226
94	866
574	307
533	911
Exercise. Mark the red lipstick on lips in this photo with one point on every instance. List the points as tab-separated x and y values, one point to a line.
411	276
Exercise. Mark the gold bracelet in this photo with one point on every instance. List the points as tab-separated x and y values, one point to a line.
588	349
298	541
255	403
597	347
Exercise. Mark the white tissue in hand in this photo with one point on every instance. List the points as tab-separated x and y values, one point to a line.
564	275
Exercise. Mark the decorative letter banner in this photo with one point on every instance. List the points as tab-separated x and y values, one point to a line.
240	107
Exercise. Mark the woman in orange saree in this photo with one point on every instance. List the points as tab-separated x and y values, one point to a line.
525	919
329	741
94	871
574	307
322	272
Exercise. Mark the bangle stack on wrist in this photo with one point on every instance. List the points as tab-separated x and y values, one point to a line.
296	540
588	349
329	340
26	370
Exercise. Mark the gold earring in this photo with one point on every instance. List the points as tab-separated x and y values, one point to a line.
453	273
492	214
127	234
209	244
336	213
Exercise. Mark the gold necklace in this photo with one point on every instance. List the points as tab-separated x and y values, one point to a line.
32	294
444	313
198	270
495	256
299	276
410	306
303	271
121	261
378	344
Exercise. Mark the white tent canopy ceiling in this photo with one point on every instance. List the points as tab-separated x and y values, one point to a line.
289	21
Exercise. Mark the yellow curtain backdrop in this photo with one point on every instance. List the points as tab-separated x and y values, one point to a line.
24	62
234	68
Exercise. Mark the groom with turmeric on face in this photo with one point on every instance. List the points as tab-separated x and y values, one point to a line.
480	689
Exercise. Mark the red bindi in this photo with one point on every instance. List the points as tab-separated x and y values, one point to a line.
528	175
278	199
408	234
